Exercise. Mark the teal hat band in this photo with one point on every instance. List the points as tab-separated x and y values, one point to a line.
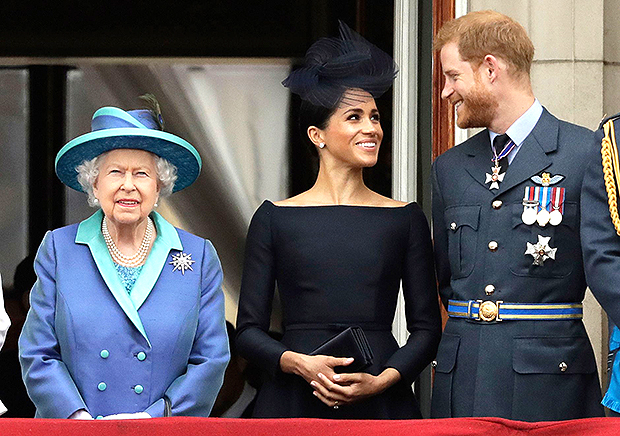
113	118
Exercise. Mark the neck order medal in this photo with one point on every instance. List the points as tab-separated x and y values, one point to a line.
495	178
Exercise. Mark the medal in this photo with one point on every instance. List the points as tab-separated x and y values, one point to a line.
495	177
555	217
530	206
544	197
541	251
542	217
557	203
536	205
528	216
529	212
551	199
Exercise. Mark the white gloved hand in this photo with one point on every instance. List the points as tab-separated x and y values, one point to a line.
80	414
137	415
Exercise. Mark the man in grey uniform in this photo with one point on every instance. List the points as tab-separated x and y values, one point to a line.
506	233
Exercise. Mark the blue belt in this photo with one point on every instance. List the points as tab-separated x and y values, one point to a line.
480	310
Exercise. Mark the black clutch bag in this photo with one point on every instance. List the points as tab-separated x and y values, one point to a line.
351	342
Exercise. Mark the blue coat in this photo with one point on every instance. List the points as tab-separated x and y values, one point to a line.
530	370
87	343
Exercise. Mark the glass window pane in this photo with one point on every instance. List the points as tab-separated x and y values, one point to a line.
14	112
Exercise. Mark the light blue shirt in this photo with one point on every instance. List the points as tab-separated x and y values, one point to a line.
521	128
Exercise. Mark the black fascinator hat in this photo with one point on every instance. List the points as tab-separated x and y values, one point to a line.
335	65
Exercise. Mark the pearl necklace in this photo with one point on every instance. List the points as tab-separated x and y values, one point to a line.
136	259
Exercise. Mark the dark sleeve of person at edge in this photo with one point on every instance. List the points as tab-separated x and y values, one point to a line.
12	390
600	239
599	234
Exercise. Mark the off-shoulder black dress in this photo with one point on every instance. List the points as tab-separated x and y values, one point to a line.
337	266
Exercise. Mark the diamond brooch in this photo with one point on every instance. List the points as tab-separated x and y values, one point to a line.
182	262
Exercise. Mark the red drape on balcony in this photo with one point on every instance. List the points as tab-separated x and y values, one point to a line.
310	427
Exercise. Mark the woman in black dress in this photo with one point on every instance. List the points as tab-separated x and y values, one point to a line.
338	253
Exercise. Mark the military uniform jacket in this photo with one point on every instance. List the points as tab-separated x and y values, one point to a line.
88	344
524	370
601	249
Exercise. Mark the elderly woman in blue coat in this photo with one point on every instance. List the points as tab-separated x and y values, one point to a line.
127	314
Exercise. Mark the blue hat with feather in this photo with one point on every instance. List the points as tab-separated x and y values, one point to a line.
113	128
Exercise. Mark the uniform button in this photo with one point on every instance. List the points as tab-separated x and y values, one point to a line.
497	204
453	226
141	355
138	389
493	246
489	289
102	386
563	366
104	354
434	364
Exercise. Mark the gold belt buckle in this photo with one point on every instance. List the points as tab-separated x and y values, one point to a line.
488	310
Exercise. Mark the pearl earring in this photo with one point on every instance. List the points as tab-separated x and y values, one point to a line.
95	202
155	205
321	145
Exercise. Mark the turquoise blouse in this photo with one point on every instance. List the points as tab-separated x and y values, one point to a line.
128	275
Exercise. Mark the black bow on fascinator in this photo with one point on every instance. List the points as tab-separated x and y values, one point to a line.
335	65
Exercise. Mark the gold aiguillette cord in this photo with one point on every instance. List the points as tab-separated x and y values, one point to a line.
611	171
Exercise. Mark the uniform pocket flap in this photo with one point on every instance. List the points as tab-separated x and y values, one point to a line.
459	216
446	355
553	355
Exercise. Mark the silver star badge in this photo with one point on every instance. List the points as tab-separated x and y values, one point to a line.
495	178
182	262
541	251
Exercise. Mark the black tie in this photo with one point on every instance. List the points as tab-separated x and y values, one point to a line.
499	143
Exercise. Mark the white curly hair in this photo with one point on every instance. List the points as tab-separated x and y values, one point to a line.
89	170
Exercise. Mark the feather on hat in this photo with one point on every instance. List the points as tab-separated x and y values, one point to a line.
335	65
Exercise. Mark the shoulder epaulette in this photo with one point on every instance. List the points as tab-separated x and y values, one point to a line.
611	169
606	119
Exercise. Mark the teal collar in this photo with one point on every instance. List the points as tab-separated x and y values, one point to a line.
89	233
